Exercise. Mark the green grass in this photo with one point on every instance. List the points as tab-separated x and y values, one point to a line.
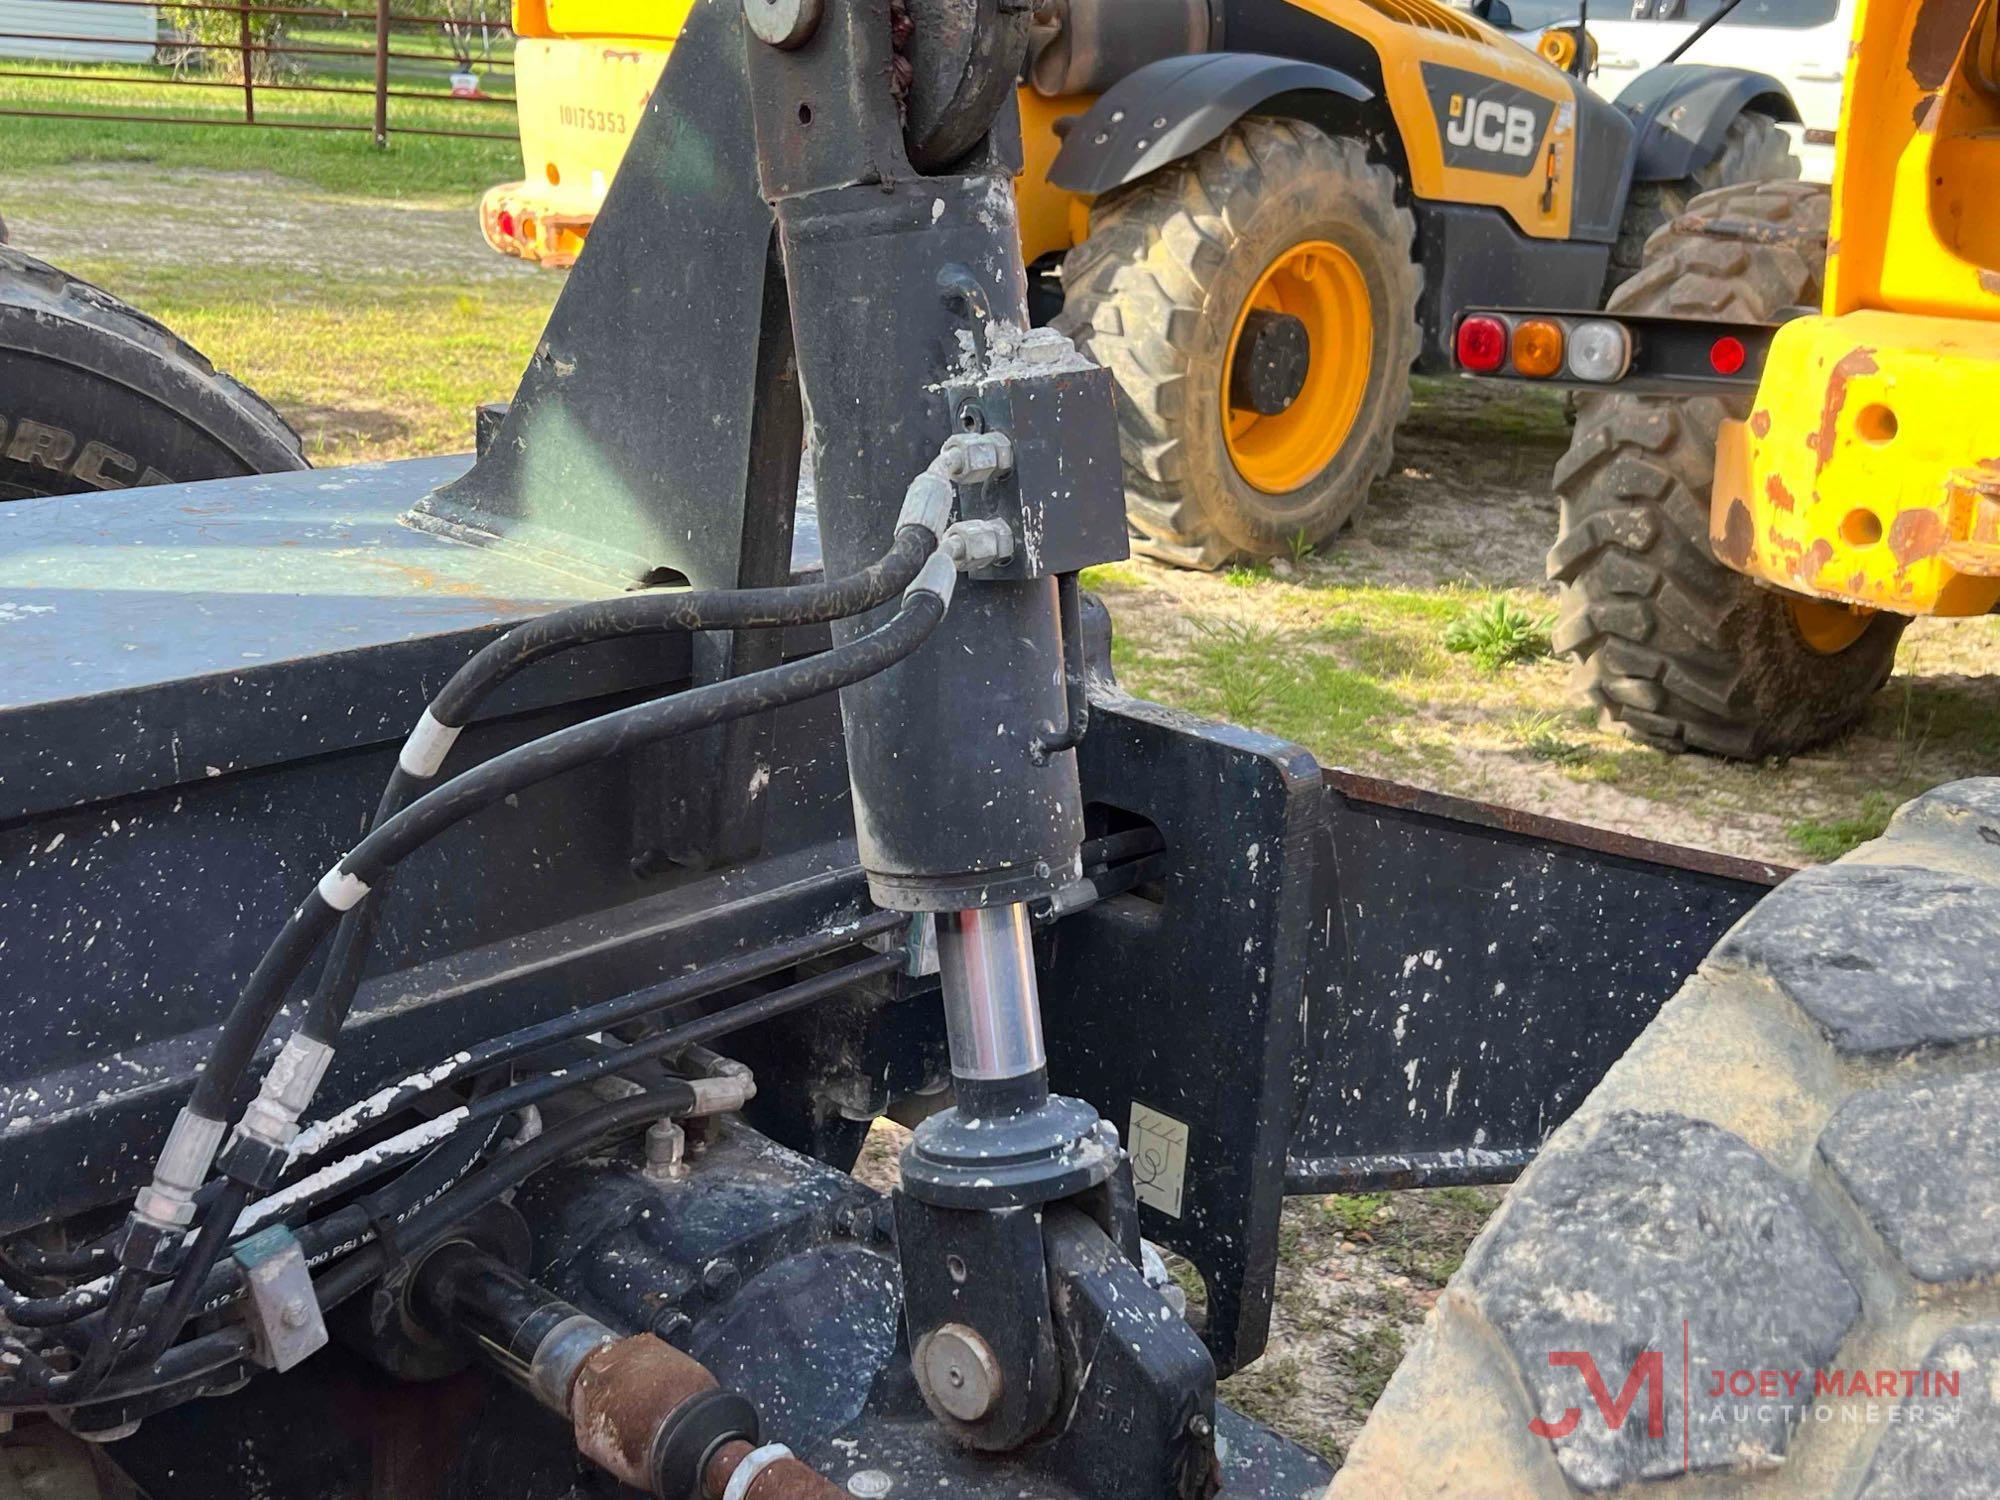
1498	634
346	162
387	369
1824	839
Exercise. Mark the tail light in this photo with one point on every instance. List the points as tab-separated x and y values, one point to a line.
1538	347
1599	350
1482	344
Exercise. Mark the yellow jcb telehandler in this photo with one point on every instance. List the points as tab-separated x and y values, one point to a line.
1258	214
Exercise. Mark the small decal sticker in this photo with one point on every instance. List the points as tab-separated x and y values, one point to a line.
1159	1158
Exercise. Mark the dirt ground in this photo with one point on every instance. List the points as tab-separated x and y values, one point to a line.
1340	649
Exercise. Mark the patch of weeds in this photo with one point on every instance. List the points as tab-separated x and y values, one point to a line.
1367	1359
1245	669
1300	546
1354	1213
1499	634
1244	578
1829	839
1547	736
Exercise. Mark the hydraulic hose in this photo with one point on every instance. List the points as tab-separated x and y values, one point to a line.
566	629
383	1102
506	1101
168	1204
688	1034
622	730
479	1188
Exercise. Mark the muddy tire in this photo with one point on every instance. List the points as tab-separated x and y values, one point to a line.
101	397
1796	1169
1676	649
1159	292
1753	150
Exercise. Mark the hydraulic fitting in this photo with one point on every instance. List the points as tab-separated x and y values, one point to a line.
978	544
167	1203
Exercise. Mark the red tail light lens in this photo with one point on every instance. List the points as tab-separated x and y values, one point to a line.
505	222
1482	344
1727	354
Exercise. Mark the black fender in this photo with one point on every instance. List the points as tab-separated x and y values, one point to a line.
1683	112
1168	109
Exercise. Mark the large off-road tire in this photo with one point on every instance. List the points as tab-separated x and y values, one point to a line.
98	396
1672	646
1753	150
1793	1178
1159	294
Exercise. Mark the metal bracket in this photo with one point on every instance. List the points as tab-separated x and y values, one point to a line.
280	1307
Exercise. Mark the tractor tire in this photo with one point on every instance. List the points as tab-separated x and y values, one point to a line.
1753	150
1172	271
1671	646
101	397
1789	1179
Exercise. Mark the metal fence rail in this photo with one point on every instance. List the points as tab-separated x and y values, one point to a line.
253	56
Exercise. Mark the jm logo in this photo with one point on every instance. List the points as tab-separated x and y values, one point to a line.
1648	1374
1488	125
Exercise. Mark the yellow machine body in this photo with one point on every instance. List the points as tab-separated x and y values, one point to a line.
583	71
586	67
1868	472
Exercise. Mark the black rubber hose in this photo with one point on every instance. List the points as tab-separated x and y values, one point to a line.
243	1029
398	1094
525	766
501	777
689	1034
484	1186
184	1292
626	729
646	614
581	625
191	1361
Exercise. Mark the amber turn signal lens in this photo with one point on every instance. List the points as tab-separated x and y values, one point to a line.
1538	347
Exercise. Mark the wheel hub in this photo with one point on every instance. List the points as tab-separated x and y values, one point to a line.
1298	367
1273	354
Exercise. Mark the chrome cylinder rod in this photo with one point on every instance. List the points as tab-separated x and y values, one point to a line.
992	1010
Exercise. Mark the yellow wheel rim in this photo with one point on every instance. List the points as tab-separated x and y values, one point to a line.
1319	284
1827	628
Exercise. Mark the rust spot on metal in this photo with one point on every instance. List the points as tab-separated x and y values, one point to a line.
1916	534
1774	489
1739	536
1856	583
1760	423
1815	557
622	1394
1937	38
1376	792
787	1479
1858	361
1989	281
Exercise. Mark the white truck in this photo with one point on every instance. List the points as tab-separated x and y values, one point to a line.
1802	43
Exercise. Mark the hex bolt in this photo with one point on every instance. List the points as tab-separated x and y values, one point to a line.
782	23
958	1373
870	1484
294	1313
671	1326
719	1279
